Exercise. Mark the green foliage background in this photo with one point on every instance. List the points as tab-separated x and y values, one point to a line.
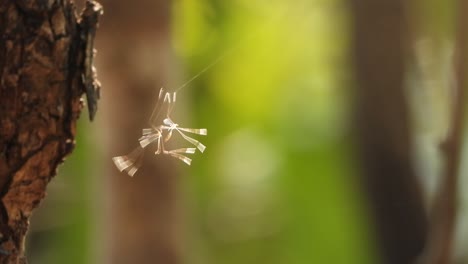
278	181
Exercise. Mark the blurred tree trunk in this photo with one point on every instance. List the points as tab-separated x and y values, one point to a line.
141	220
383	131
445	206
42	60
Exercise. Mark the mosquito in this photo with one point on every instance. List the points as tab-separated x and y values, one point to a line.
160	131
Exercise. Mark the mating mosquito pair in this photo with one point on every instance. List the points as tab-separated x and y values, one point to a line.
159	133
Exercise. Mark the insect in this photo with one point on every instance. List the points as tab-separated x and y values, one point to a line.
160	131
89	23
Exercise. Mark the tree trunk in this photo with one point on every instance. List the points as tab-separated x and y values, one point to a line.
445	206
141	223
383	128
44	70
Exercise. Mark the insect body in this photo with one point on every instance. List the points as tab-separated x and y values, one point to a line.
89	22
161	130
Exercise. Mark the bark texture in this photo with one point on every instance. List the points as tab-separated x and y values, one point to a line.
42	61
383	131
142	222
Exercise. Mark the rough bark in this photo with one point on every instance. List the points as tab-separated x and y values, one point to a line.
383	128
42	60
142	218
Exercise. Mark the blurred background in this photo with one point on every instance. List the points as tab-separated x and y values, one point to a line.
278	182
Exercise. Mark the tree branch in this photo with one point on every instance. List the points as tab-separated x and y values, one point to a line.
444	211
